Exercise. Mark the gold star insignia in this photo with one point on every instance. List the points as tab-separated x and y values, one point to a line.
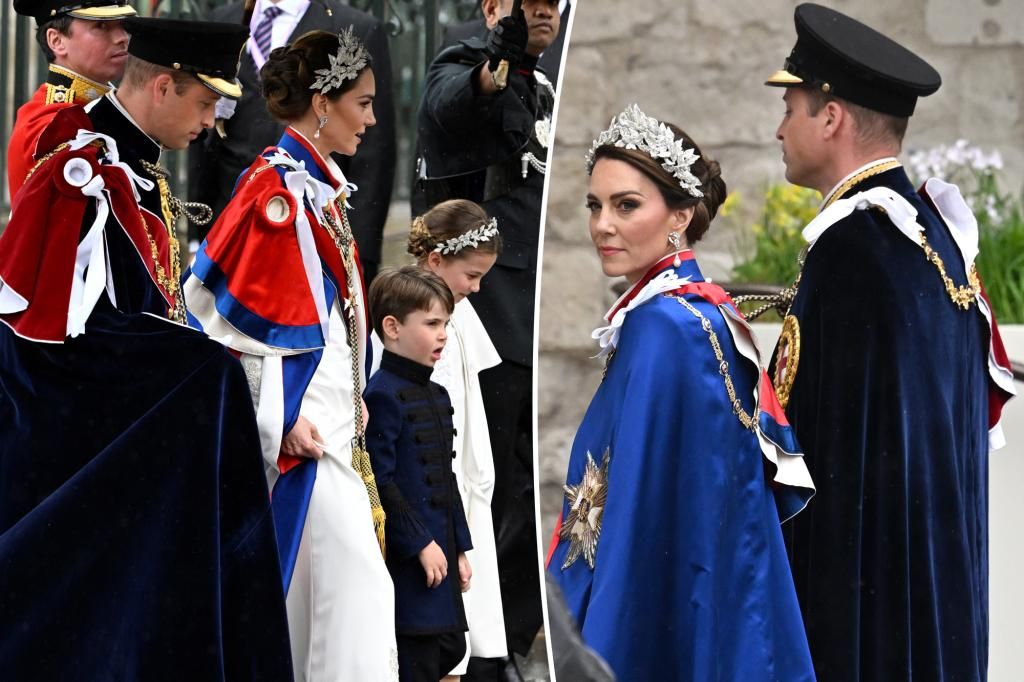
582	527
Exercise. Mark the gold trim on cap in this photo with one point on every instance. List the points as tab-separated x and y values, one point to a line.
784	78
105	13
221	86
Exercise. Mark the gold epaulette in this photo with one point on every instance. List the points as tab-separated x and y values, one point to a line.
64	86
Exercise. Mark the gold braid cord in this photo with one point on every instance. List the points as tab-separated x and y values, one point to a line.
781	301
343	239
749	421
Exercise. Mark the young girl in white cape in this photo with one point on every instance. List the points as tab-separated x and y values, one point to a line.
458	242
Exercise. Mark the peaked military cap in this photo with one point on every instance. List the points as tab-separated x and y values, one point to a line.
208	50
843	57
96	10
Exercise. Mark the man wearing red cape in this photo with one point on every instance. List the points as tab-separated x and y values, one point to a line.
136	539
86	46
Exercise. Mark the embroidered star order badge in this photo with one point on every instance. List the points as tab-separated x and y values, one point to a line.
582	527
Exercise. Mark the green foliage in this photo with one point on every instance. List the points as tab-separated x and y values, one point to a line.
1001	261
777	238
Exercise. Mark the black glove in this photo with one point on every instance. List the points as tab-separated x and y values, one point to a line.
507	41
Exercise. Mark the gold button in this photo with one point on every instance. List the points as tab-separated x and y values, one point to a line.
826	88
177	65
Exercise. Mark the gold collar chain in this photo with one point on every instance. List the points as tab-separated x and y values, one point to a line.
962	296
854	180
170	284
749	421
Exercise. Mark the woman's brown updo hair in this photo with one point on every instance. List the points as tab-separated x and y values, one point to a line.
445	221
705	168
286	78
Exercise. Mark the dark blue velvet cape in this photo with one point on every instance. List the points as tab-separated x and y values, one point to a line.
136	539
691	581
890	403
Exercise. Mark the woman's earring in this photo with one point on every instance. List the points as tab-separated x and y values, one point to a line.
676	243
323	122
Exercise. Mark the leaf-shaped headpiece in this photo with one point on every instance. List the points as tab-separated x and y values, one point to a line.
352	57
633	129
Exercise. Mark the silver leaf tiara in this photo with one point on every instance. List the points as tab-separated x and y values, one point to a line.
473	237
633	129
352	57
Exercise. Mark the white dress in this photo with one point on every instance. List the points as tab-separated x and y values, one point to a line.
341	601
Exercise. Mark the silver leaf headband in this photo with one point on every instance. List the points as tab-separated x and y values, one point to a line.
473	237
633	129
352	58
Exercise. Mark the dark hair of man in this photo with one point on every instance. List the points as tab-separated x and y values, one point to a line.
138	72
873	127
62	25
448	220
705	169
290	71
398	292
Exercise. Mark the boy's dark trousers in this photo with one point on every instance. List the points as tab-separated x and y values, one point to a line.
428	658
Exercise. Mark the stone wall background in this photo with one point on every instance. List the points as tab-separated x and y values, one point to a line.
701	65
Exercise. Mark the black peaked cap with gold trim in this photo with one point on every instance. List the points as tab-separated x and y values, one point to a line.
843	57
95	10
208	50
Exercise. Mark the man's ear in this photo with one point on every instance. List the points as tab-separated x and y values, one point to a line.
56	41
492	12
834	115
161	85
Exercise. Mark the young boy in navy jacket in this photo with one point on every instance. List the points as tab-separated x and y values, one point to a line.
409	437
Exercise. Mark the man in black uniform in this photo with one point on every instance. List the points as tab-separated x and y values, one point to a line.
484	126
893	371
216	163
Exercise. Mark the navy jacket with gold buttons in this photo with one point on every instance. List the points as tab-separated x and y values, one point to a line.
409	437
